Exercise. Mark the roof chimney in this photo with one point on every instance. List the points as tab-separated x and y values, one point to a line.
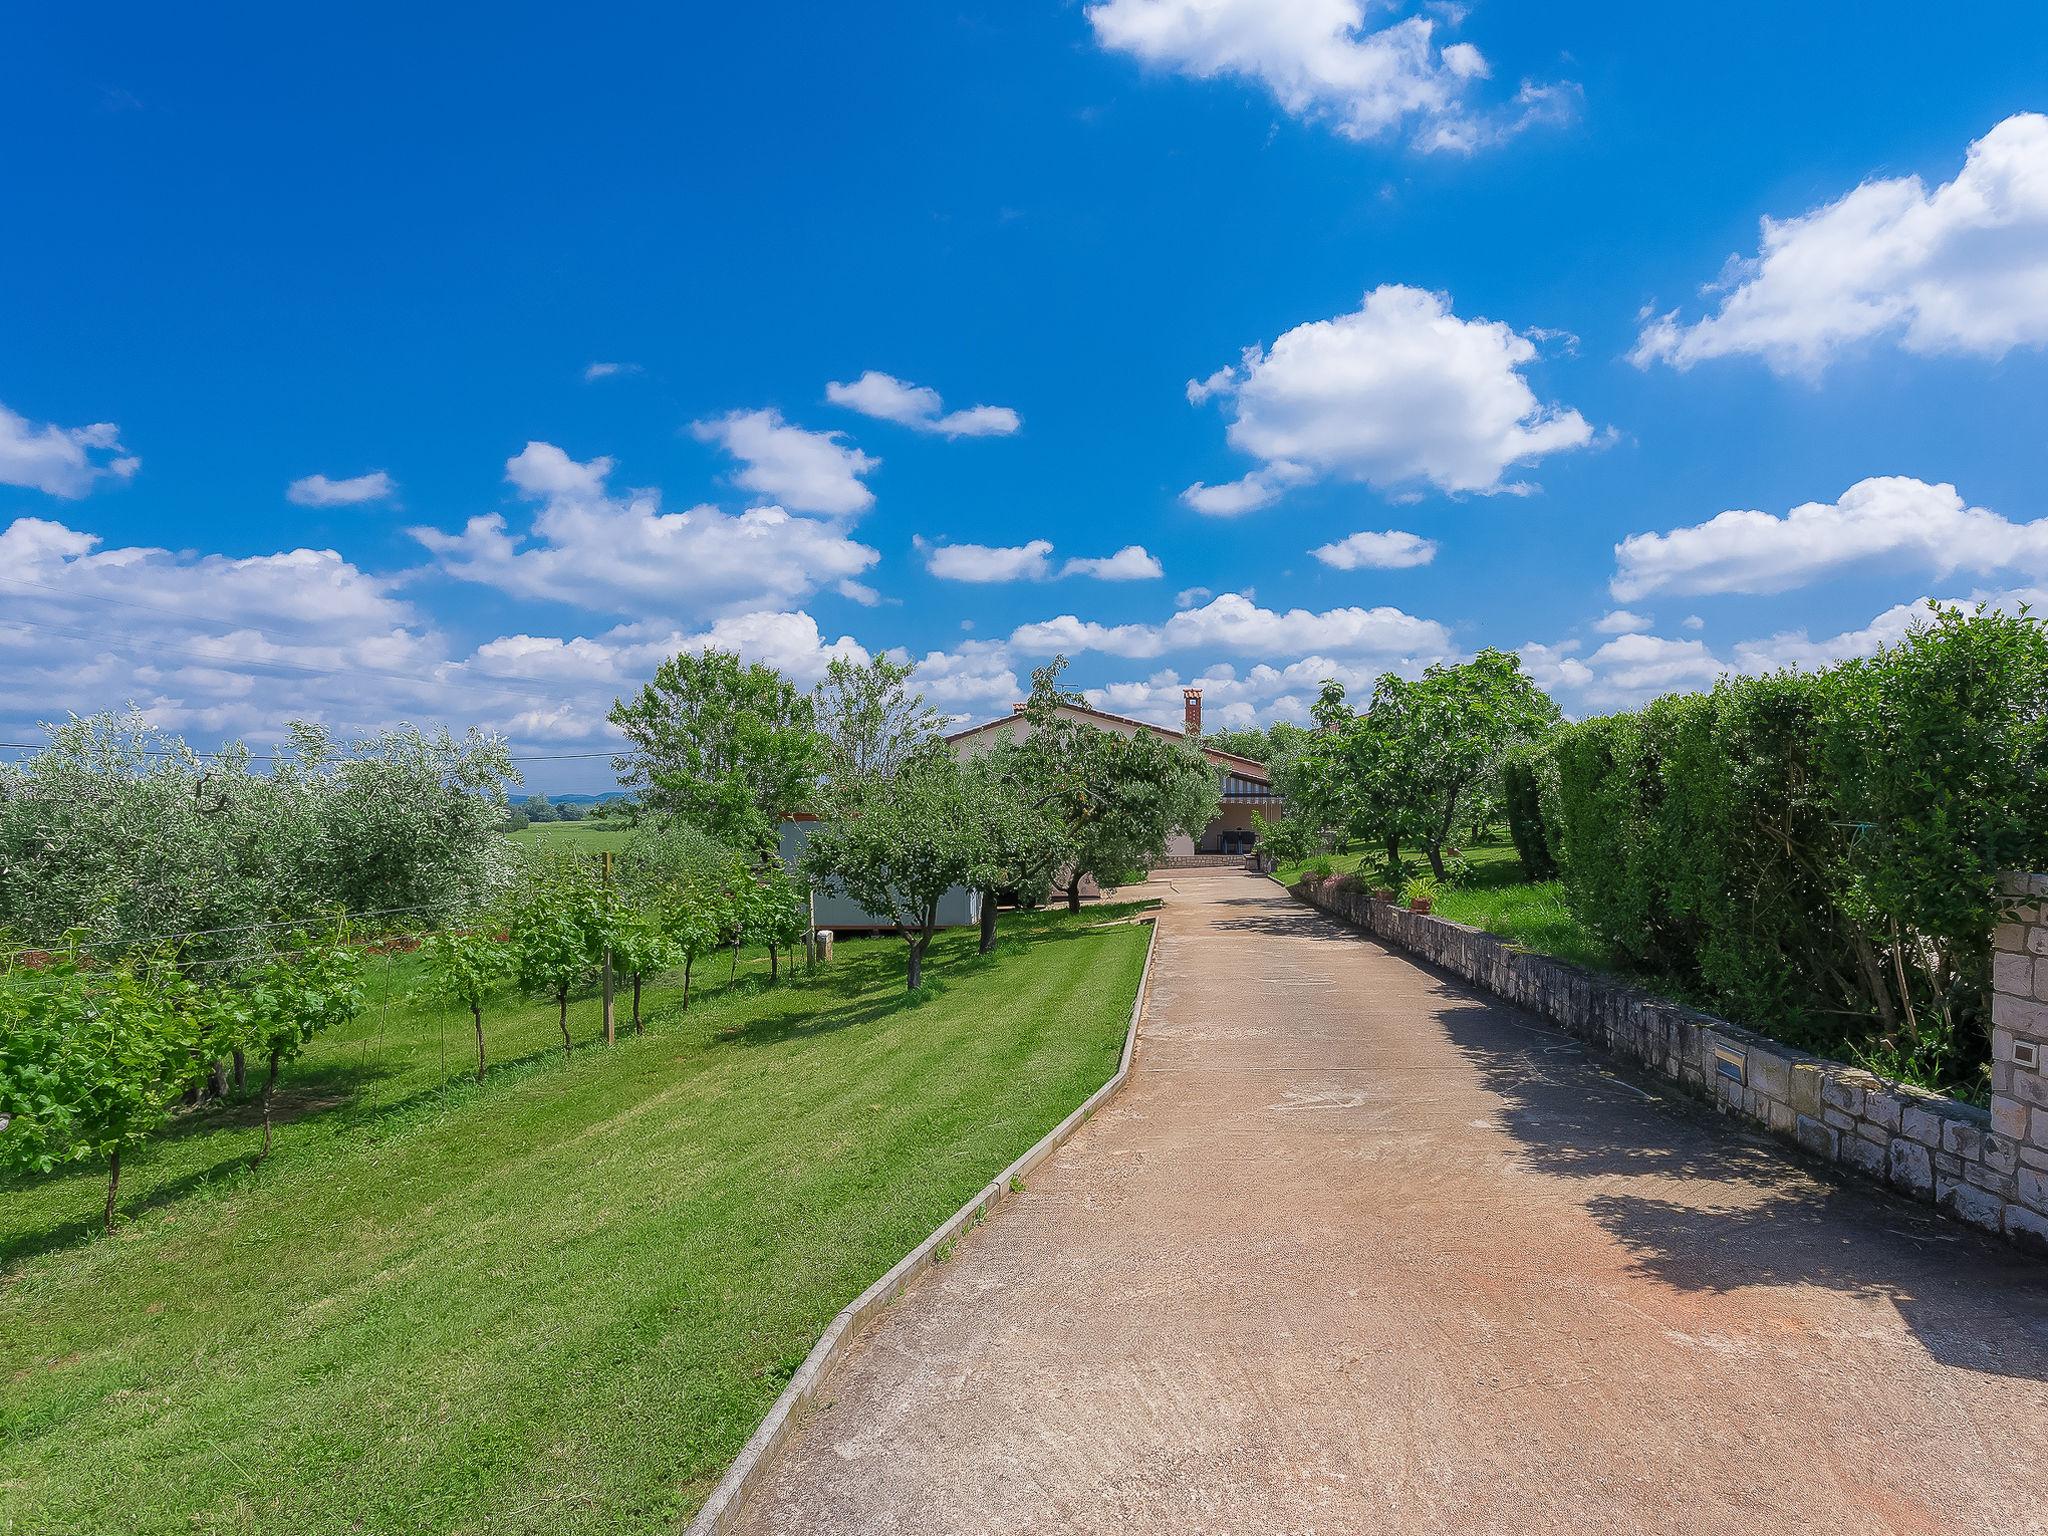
1018	709
1191	711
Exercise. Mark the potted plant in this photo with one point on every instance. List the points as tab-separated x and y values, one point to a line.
1420	893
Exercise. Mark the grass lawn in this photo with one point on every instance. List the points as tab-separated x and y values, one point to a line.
1496	898
575	836
556	1302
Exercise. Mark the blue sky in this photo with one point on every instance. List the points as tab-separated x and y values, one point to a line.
250	247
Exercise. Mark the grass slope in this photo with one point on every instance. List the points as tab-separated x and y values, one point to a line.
557	1302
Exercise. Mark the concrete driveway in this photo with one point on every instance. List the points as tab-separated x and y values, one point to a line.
1359	1250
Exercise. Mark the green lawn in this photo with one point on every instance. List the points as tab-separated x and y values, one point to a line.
557	1302
1496	898
574	836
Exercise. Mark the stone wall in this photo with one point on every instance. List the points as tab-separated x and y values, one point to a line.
1986	1168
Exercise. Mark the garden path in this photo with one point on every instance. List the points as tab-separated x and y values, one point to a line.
1359	1249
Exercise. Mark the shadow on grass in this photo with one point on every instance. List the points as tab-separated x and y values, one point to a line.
27	1242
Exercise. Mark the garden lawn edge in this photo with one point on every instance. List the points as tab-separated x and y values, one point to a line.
722	1509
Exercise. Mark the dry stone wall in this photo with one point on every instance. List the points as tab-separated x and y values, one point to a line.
1988	1168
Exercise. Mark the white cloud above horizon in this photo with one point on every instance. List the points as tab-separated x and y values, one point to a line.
1331	62
887	398
802	470
1961	270
625	555
1398	394
65	462
1894	519
1032	561
1236	624
1389	551
319	491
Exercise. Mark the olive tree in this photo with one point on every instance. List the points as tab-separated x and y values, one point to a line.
1023	840
901	844
1117	798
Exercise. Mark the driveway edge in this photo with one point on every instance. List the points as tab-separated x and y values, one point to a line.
722	1509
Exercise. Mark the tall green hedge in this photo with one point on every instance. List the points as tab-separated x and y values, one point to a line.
1815	853
1521	785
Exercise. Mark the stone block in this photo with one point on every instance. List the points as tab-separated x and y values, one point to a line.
2009	1117
1815	1137
1999	1152
1864	1156
1840	1121
1882	1107
1781	1116
2037	939
1961	1138
1769	1074
1804	1095
1911	1167
2013	973
2001	1077
2010	937
1920	1125
2003	1185
2030	1186
1836	1092
2020	1014
2028	1087
1948	1164
1980	1208
2041	980
2029	1229
2037	1127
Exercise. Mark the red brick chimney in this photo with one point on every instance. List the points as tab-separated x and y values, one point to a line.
1191	711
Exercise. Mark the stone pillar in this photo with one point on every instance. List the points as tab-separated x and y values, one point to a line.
2019	1047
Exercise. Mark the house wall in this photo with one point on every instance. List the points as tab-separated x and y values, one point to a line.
833	908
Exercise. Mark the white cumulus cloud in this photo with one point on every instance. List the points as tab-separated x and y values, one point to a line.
805	471
1235	623
1327	61
624	554
319	491
1889	518
1400	392
920	408
1622	622
61	461
1131	563
1389	551
1961	269
990	562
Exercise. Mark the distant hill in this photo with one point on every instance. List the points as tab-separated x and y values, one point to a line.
608	795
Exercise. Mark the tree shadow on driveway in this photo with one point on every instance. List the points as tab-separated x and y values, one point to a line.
1703	1205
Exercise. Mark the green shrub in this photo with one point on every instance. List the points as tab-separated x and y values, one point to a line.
1522	802
1815	854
